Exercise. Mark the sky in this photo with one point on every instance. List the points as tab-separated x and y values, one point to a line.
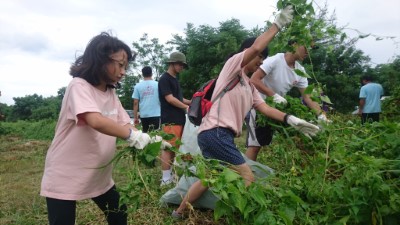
40	39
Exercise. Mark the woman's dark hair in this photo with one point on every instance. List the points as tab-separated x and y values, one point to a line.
91	66
247	43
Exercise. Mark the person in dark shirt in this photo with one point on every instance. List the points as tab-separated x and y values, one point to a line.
173	110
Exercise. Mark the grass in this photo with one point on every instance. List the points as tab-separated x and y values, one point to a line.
21	169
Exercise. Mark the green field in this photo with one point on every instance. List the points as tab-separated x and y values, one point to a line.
349	174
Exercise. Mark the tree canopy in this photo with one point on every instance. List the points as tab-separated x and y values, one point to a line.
335	67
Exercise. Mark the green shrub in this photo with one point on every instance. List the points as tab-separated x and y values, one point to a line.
40	130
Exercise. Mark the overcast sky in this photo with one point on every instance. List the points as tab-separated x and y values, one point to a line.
39	39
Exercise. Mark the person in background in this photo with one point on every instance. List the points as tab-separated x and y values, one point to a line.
370	100
225	119
145	99
78	160
173	110
275	77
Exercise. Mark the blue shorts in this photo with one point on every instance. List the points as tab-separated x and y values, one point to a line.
218	143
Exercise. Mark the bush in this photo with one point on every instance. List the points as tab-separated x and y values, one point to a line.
40	130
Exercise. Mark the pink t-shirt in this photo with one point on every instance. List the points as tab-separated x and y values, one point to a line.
77	153
230	110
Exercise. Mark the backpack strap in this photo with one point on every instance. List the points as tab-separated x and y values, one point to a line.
229	87
251	119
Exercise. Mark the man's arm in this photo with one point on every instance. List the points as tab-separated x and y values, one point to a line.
175	102
256	80
187	101
361	106
135	110
310	103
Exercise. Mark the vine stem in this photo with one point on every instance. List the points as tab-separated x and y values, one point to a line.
141	178
326	158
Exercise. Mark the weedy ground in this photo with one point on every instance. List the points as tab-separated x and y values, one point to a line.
21	169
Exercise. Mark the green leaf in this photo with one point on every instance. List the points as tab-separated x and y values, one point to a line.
301	73
221	209
361	36
229	175
309	89
264	217
258	196
287	215
326	99
239	200
279	5
294	197
249	208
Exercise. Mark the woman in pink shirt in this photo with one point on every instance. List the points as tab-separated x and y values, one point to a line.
91	118
224	120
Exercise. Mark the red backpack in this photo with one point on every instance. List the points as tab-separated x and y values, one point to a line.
201	100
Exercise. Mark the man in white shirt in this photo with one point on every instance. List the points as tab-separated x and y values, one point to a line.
275	77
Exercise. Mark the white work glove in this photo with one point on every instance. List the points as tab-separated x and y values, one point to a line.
303	126
322	118
279	99
284	17
138	139
164	144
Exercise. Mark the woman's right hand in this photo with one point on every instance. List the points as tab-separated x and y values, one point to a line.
138	139
284	17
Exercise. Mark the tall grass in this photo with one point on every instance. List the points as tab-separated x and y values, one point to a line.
38	130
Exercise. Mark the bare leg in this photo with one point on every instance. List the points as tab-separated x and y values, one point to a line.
252	152
166	159
197	189
194	193
245	171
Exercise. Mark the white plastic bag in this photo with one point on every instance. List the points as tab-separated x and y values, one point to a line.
189	139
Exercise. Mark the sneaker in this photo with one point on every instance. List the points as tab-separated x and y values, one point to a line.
177	215
166	182
172	180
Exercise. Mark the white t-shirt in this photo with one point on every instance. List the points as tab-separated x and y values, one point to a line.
74	161
229	110
280	77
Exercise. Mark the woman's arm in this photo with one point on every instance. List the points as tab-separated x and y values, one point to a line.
106	125
259	44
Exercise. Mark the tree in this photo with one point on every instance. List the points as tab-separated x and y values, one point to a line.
5	111
35	107
388	75
49	109
126	90
23	106
206	49
150	53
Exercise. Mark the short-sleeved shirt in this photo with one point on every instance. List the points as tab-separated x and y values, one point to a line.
372	93
230	110
280	77
170	114
74	167
147	93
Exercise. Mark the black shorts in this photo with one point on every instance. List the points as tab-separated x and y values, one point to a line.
150	123
257	135
369	117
